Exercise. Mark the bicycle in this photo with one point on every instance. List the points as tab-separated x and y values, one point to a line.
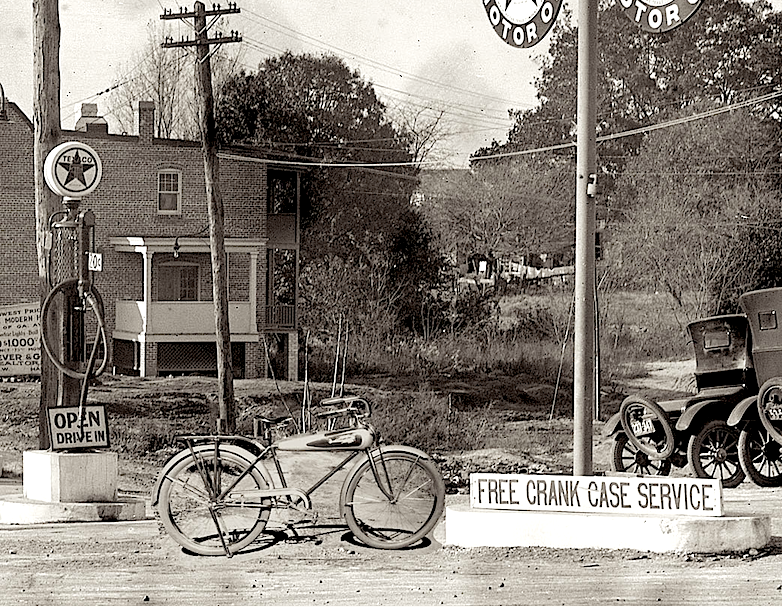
216	495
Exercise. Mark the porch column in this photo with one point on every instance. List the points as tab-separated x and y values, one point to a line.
146	255
253	328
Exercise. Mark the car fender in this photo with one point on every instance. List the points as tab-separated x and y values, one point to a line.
177	458
374	453
744	410
690	413
613	425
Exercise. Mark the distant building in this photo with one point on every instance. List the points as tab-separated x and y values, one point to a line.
152	228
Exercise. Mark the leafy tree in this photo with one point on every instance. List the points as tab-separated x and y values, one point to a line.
728	50
357	222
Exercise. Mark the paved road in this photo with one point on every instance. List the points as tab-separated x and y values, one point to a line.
134	563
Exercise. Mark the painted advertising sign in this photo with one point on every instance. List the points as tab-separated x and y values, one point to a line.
20	344
67	431
655	496
658	16
522	23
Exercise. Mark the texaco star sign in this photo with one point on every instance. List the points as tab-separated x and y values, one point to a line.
522	23
658	16
72	169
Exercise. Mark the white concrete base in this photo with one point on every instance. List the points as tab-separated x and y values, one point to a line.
468	527
18	510
70	477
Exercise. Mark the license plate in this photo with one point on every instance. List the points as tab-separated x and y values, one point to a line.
774	413
643	427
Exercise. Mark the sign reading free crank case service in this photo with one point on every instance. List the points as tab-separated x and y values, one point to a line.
660	496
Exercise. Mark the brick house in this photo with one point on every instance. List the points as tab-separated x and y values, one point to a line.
152	228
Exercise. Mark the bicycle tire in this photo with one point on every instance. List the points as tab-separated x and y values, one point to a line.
418	498
196	518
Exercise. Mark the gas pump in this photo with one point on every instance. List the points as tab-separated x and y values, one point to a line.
73	307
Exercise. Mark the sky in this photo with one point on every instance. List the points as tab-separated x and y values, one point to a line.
441	53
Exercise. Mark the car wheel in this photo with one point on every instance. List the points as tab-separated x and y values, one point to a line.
769	406
626	457
714	453
760	456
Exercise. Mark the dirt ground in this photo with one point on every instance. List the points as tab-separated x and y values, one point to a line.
126	563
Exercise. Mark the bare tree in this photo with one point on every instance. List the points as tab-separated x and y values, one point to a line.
166	77
500	209
426	128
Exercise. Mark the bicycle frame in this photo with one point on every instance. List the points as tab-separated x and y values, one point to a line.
296	443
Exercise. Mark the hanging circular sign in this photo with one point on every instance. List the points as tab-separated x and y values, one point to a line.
72	169
658	16
522	23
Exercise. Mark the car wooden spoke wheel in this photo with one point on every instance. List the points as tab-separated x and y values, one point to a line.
760	456
626	457
714	453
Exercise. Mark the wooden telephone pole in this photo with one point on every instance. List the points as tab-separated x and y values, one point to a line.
226	418
46	118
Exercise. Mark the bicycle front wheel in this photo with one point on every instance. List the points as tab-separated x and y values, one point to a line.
208	507
393	499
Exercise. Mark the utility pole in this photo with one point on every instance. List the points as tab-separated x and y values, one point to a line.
226	418
46	118
586	188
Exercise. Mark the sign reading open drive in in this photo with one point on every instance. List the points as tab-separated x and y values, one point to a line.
20	345
653	495
69	431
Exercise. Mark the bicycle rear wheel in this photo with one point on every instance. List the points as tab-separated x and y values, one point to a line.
198	518
393	499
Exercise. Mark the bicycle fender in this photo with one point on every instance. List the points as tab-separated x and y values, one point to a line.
373	454
740	411
177	458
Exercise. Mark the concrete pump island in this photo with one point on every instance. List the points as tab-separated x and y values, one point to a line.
622	512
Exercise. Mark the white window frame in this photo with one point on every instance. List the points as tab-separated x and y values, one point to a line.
178	192
180	265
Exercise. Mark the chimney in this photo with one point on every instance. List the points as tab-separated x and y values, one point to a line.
146	120
89	121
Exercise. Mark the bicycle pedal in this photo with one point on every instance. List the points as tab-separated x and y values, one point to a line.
295	516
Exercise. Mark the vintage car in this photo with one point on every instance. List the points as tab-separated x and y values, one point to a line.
651	437
759	417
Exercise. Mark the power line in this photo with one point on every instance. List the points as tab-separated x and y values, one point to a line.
383	66
640	130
